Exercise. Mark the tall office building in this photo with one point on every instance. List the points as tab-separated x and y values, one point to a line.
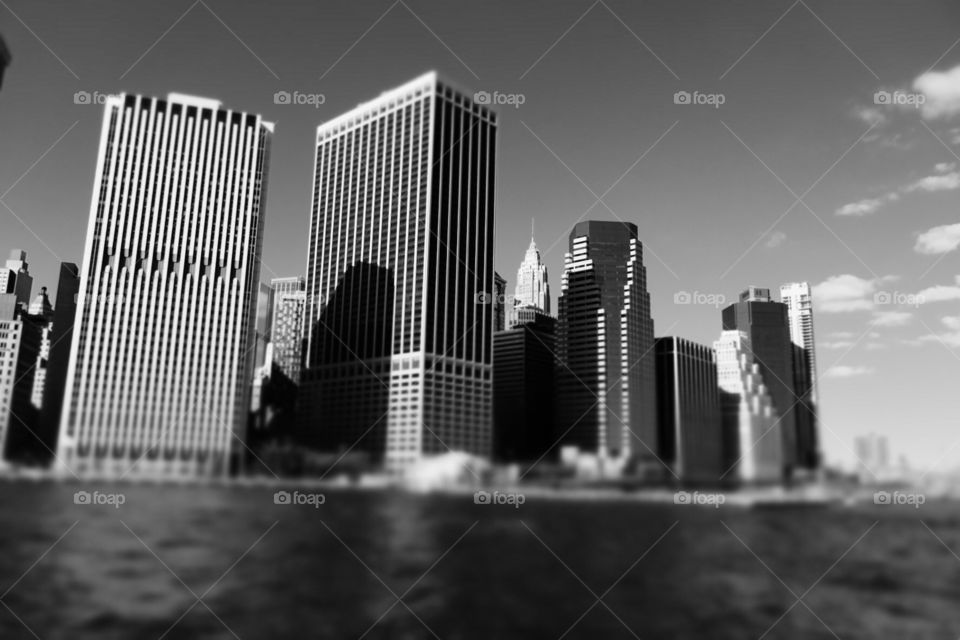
766	331
61	337
499	302
797	297
872	454
688	407
15	277
523	373
289	301
159	376
398	355
41	309
606	387
752	430
20	343
532	291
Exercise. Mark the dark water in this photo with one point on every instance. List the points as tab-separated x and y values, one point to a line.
532	572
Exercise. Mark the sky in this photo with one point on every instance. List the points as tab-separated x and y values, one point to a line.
752	142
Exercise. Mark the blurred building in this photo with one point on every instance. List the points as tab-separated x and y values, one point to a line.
874	464
606	387
688	407
765	328
752	430
499	302
61	337
289	302
20	343
159	375
799	301
41	309
4	59
523	403
399	352
15	278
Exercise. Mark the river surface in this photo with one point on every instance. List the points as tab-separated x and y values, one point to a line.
197	562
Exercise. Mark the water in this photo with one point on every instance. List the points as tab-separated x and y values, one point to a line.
464	570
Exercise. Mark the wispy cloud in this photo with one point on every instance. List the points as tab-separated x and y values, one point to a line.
941	292
846	292
941	90
938	240
847	371
891	318
944	178
775	239
950	337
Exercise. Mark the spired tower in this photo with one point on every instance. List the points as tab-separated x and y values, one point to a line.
532	292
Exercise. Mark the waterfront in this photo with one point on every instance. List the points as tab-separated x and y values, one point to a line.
463	570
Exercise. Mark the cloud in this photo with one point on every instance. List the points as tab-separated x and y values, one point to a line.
940	292
950	338
942	239
846	371
944	178
866	206
775	239
846	292
944	167
942	182
836	344
871	116
941	90
891	318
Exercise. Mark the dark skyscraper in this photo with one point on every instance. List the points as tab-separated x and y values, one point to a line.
606	391
523	372
688	409
61	335
399	352
767	336
4	59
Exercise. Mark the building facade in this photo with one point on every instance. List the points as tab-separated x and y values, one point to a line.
766	330
289	302
523	407
61	337
606	387
799	301
21	338
532	291
158	381
398	357
15	277
688	408
752	429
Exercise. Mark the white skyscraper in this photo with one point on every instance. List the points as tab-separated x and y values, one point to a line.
399	274
750	421
532	291
15	277
158	380
797	297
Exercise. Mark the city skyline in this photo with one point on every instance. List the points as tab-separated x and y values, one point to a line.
871	257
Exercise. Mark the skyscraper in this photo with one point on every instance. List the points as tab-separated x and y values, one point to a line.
688	408
606	387
289	298
766	332
499	302
21	337
159	376
61	337
532	291
797	297
15	277
398	356
4	59
752	430
41	309
523	373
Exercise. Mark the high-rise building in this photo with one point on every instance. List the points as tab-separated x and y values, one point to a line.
41	309
523	372
688	407
532	291
20	343
289	300
398	354
872	454
606	387
499	302
15	278
797	297
61	337
4	59
752	430
159	376
766	331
